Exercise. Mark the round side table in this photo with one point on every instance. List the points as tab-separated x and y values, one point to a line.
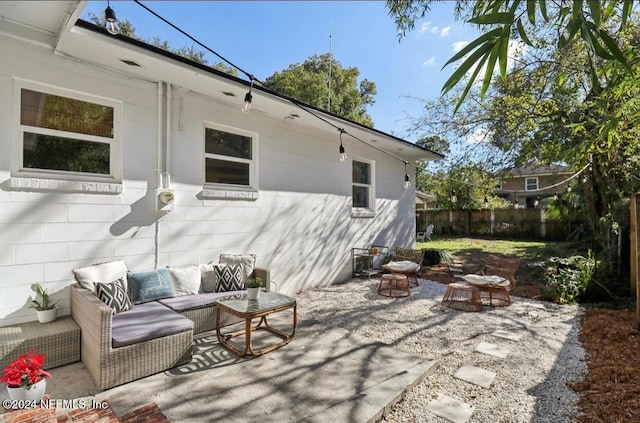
463	297
394	285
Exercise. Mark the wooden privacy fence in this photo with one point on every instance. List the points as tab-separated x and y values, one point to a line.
499	223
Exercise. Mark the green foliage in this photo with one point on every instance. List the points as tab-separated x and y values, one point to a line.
572	276
590	24
308	82
254	283
45	302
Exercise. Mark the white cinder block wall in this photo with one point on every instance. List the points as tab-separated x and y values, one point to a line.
300	226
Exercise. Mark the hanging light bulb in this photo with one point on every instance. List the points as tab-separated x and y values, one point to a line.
486	202
536	203
110	20
248	97
569	188
407	180
454	199
343	153
555	196
515	204
584	179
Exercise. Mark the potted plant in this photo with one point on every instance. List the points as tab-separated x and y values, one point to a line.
25	378
46	310
253	288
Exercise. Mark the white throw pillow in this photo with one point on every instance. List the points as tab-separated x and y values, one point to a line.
402	266
480	280
185	280
248	262
88	276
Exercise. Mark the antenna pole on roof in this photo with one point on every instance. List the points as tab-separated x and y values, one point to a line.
330	62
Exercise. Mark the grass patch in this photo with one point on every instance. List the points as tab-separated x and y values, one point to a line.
528	250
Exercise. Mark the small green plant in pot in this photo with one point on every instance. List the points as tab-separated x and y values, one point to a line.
253	287
46	310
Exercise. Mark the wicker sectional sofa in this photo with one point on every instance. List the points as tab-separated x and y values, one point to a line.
149	338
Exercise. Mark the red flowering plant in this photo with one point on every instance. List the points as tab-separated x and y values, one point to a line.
25	371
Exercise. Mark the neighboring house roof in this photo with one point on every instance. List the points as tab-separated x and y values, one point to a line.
535	170
56	24
424	196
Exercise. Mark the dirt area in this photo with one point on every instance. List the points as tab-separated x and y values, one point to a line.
611	390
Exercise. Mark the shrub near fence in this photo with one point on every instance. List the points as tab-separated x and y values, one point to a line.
506	223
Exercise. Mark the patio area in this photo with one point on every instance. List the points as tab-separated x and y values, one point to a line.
356	354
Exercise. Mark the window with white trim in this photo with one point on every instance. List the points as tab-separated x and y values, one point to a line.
67	135
531	184
363	188
230	157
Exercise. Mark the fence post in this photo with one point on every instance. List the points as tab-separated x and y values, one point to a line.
493	222
543	224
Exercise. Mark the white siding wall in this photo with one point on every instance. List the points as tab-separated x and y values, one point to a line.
300	226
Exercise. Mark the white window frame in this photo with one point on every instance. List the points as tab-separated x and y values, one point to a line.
115	156
365	211
212	187
526	183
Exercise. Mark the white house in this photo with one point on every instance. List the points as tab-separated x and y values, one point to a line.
96	131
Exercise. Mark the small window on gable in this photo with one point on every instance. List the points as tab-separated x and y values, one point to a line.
67	135
363	188
229	158
531	184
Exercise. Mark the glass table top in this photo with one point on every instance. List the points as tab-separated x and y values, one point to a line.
265	301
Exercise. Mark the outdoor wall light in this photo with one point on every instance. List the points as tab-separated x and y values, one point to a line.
407	180
341	150
110	20
454	199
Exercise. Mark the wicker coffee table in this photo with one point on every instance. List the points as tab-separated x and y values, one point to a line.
267	304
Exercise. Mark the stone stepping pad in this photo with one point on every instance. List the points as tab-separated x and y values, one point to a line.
492	349
450	408
507	334
475	375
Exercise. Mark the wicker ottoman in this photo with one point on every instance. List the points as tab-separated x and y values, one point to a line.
394	285
59	341
463	297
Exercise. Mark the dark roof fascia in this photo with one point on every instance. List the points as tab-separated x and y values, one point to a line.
98	29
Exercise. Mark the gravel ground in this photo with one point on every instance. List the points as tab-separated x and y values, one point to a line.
530	383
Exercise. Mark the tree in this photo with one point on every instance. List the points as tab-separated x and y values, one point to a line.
309	83
595	24
189	52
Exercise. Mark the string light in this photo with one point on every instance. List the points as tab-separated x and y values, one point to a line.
343	153
454	198
486	202
536	202
248	97
407	180
110	20
555	196
515	204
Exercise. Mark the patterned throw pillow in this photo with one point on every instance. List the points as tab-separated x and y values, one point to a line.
151	285
114	294
229	278
247	261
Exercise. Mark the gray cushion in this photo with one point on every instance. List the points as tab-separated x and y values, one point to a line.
190	302
146	321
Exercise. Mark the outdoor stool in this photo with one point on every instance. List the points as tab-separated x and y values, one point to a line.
394	285
463	297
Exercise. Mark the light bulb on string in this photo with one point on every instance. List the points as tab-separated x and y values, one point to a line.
569	188
555	196
454	198
110	20
248	97
536	203
341	150
486	202
407	180
515	203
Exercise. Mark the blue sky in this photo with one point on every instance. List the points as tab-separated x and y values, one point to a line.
263	37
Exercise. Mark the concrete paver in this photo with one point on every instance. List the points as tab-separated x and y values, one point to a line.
475	375
492	349
507	334
450	408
